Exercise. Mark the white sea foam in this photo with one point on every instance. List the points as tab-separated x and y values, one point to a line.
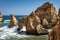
6	21
49	30
23	29
6	32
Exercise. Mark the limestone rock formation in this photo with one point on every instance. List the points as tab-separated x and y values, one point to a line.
43	17
45	22
13	20
55	33
33	24
59	13
1	17
48	12
58	16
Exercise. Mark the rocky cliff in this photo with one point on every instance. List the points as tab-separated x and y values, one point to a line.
43	17
55	33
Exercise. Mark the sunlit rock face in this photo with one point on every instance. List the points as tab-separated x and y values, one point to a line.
32	24
47	11
59	13
58	16
13	20
1	17
43	17
55	33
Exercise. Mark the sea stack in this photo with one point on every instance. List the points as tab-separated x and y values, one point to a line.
1	17
44	17
13	20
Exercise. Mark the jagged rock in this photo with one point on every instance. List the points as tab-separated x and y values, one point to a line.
1	17
55	33
59	16
22	22
47	11
13	20
43	17
59	12
40	30
32	23
45	22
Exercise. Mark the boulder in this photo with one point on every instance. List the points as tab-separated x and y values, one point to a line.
13	20
55	33
1	17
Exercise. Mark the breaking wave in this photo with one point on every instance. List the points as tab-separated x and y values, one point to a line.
5	32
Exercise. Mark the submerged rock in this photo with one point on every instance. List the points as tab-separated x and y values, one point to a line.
1	17
43	17
13	20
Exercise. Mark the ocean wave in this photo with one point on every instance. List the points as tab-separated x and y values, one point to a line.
5	32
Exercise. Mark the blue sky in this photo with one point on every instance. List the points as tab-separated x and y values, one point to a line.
23	7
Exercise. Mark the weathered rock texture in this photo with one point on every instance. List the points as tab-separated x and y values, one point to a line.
58	16
59	13
13	20
55	33
43	17
1	17
47	13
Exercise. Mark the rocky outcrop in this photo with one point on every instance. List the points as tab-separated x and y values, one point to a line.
33	24
47	11
55	33
1	17
13	20
43	17
59	13
58	16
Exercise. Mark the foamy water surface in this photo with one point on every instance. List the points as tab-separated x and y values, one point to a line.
6	32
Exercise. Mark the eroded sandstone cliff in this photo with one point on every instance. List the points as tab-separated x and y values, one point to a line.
44	17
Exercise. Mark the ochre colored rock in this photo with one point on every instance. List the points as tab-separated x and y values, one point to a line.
40	30
48	12
55	33
59	16
43	17
59	12
45	22
13	20
1	17
32	23
22	22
